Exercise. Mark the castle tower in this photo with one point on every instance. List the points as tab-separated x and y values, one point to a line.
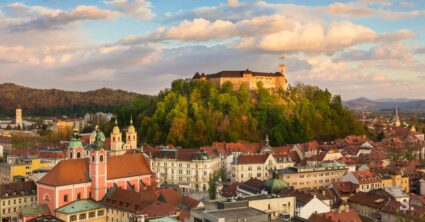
97	168
131	136
18	121
75	148
116	140
396	118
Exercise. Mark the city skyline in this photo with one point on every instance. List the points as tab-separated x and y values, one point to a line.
371	48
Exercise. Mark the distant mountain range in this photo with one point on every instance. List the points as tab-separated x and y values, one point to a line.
365	104
55	102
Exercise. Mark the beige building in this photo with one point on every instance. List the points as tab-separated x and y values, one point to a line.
82	210
366	180
275	207
258	166
313	177
14	196
118	147
18	120
272	81
188	168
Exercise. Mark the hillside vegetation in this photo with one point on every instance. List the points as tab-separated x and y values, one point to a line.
194	113
54	102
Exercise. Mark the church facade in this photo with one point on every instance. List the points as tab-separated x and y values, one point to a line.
90	177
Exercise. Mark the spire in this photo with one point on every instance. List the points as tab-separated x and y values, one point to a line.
131	120
267	140
396	120
116	121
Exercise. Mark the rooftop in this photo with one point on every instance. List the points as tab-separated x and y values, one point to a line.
235	213
79	206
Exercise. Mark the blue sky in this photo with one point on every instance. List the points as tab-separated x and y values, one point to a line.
372	48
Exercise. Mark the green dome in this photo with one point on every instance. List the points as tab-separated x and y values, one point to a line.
94	134
98	142
75	141
275	185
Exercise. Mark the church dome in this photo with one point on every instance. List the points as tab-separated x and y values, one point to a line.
275	185
116	129
75	141
94	134
131	128
267	148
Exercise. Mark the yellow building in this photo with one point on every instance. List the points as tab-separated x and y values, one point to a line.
271	81
393	178
20	168
14	196
313	177
82	210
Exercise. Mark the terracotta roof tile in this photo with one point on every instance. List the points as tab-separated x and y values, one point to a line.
252	159
75	171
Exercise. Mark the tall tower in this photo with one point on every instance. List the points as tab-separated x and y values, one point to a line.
116	140
75	149
18	121
131	136
396	118
97	168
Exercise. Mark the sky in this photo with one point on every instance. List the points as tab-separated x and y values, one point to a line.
354	48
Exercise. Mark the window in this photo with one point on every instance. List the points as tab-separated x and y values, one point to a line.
83	216
73	218
78	196
65	198
100	213
101	158
78	155
70	155
92	158
92	214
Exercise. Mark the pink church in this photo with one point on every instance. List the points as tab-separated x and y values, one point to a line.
81	178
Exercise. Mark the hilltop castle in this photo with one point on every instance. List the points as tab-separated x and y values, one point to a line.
271	81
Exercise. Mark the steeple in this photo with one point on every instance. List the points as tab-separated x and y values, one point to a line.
267	148
396	118
131	136
116	140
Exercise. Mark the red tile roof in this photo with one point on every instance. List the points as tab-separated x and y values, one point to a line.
349	216
76	171
345	188
17	189
252	159
366	177
158	209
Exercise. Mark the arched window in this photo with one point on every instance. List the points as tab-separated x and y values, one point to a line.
70	155
92	158
78	155
101	158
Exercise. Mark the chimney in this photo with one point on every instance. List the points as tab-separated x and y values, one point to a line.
282	68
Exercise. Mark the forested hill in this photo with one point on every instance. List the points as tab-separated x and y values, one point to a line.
194	113
50	102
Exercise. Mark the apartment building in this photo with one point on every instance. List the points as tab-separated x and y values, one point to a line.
18	169
313	177
258	166
188	168
14	196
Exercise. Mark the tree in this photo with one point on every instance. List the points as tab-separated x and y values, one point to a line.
380	136
223	175
212	190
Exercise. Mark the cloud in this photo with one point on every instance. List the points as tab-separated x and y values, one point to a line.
48	21
349	9
395	51
204	30
140	9
233	3
18	9
361	10
312	38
